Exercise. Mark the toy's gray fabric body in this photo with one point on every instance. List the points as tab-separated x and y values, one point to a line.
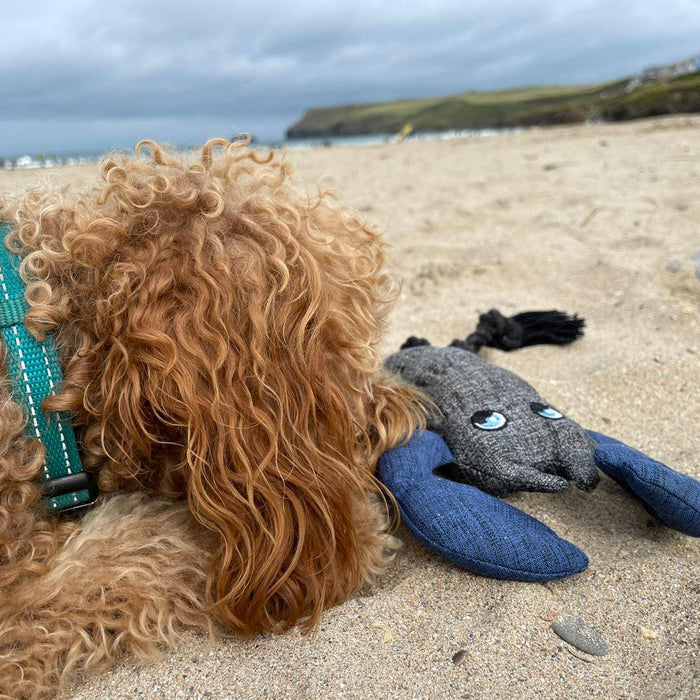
529	452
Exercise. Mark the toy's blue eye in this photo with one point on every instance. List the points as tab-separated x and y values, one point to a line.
542	409
488	420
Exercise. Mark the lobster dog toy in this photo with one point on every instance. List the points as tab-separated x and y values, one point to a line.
492	435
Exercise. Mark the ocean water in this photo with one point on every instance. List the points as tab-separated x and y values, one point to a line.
377	139
32	161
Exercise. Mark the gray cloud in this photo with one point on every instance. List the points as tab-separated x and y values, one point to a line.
80	75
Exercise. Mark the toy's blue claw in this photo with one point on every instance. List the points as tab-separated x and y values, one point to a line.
467	526
671	497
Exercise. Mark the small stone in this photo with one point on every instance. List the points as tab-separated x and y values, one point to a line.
460	657
673	266
648	633
577	633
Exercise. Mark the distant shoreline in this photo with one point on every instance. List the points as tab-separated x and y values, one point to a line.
34	161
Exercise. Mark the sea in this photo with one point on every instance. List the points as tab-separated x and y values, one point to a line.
36	161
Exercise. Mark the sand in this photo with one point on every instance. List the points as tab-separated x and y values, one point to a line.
603	221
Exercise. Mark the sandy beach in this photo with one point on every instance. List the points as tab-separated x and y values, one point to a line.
603	221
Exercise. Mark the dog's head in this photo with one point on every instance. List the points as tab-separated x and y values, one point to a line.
219	336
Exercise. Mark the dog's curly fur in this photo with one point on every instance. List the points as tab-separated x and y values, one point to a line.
219	338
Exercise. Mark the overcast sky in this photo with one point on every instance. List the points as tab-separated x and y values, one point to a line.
83	75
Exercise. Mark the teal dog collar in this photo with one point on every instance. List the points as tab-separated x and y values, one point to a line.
35	374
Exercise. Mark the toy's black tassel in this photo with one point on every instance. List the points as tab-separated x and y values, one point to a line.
529	328
414	342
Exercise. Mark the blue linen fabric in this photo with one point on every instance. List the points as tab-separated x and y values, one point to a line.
671	497
467	526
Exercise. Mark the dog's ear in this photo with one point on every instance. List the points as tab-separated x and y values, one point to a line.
247	366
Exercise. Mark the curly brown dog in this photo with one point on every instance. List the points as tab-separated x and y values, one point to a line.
218	335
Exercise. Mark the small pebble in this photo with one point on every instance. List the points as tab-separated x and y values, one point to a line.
460	657
577	633
647	633
673	266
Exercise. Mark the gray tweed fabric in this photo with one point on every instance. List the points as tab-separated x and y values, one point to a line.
503	436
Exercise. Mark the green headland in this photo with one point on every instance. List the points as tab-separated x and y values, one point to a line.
644	95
